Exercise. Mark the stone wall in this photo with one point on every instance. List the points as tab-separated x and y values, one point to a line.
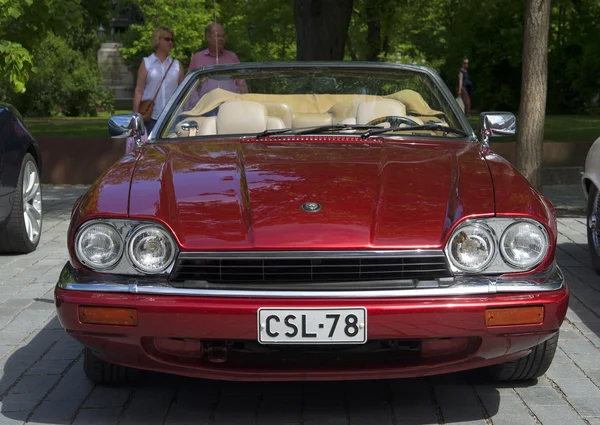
562	163
78	161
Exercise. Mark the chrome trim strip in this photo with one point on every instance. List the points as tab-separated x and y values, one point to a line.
463	286
310	254
154	290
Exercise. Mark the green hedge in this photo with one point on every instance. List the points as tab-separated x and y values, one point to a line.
65	83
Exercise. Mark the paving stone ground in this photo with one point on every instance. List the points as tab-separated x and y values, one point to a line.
42	382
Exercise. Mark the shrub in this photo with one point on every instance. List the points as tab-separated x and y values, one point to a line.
64	82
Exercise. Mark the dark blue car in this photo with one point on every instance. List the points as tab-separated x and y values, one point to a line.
20	185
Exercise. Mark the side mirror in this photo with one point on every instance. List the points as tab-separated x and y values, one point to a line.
496	124
127	125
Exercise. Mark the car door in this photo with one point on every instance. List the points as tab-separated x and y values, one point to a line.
5	201
15	140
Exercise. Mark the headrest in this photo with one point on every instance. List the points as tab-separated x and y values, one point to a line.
415	103
372	109
281	110
241	116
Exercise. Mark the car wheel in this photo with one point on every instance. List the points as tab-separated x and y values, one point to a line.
102	372
593	227
534	365
24	228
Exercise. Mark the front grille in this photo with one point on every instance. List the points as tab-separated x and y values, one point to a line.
324	268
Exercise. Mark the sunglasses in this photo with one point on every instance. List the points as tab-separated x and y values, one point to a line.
168	39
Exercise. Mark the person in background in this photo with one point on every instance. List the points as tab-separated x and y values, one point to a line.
150	82
465	85
215	54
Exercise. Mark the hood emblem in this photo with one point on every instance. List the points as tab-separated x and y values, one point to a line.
310	207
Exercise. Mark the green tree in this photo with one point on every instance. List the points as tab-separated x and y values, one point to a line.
259	30
402	31
77	90
187	19
23	25
574	56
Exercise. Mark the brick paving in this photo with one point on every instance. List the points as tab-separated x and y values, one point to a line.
42	381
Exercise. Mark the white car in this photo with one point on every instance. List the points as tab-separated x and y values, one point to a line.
590	180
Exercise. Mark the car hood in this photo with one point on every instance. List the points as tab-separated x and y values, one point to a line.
234	194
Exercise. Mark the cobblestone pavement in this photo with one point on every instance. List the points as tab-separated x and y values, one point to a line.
42	382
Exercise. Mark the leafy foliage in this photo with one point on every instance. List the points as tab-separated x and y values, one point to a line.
17	62
574	56
76	91
257	30
23	24
187	19
436	33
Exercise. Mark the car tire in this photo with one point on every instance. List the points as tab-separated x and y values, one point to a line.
102	372
15	238
532	366
593	227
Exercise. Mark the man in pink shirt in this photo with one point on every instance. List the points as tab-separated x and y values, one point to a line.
216	54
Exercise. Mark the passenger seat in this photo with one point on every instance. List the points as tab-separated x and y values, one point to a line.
240	117
371	109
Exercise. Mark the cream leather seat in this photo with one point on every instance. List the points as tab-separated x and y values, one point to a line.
239	117
344	112
311	119
275	123
280	110
372	109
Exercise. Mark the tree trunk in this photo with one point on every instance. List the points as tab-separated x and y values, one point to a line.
373	31
533	90
322	28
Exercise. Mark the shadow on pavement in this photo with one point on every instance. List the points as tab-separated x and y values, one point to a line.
43	382
584	286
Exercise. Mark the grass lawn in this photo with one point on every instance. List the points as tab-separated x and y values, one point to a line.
70	127
559	128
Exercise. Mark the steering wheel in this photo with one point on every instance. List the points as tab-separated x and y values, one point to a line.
394	120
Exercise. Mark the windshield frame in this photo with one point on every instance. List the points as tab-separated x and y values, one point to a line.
193	75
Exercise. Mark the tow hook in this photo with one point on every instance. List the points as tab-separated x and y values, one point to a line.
217	353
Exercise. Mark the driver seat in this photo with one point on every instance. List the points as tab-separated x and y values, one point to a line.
377	108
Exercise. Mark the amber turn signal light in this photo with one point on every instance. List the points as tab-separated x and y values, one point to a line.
108	316
514	316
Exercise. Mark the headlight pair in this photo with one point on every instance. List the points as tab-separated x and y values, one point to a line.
100	246
497	245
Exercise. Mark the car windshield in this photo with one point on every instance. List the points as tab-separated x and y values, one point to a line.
239	100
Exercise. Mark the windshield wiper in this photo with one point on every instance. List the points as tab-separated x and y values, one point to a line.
433	127
320	129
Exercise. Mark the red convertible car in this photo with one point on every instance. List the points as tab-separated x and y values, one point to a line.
312	221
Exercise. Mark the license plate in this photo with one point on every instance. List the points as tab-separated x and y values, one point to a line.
312	325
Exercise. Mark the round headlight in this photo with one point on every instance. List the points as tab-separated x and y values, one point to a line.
471	248
99	246
151	249
524	244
